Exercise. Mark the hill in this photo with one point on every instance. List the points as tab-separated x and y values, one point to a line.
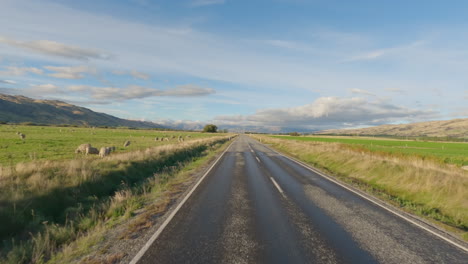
456	128
20	109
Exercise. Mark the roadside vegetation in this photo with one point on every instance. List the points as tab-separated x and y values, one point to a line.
59	143
55	210
444	152
414	180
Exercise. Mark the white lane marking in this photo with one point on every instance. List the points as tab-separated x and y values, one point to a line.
158	232
257	159
277	186
374	202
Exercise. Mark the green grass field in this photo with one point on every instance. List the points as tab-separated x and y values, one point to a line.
446	152
59	143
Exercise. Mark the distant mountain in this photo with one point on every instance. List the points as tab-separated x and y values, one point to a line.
456	128
19	109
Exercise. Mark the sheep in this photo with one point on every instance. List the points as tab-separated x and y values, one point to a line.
127	143
91	150
22	136
104	151
82	148
156	139
166	139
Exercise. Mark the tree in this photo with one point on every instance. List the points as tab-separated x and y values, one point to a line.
210	128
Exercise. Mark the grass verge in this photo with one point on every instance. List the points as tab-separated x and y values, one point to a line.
55	212
435	191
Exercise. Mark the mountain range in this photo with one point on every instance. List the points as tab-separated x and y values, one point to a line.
455	128
21	109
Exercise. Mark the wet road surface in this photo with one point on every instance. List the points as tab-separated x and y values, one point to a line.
256	206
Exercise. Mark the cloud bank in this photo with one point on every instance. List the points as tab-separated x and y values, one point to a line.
325	113
49	47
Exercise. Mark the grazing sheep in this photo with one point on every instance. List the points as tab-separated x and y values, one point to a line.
104	151
91	150
166	139
127	143
82	148
22	136
156	139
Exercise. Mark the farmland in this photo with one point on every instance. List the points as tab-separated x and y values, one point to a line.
59	143
54	200
446	152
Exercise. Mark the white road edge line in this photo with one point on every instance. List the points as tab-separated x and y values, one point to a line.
372	201
277	186
158	232
257	159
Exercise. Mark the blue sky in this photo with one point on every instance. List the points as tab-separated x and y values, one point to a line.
268	65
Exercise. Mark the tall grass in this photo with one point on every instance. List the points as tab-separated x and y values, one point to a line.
424	186
45	205
444	152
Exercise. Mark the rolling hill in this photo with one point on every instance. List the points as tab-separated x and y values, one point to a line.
456	128
21	109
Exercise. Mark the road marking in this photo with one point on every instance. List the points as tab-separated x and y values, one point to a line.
277	187
158	232
257	159
374	202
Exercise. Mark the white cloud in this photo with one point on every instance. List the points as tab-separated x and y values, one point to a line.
187	90
371	55
140	75
7	81
47	88
112	94
70	72
135	74
18	71
324	113
379	53
395	90
48	47
197	3
361	91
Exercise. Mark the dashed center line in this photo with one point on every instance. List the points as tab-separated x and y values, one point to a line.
277	187
257	159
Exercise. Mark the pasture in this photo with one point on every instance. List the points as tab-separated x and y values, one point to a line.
59	143
446	152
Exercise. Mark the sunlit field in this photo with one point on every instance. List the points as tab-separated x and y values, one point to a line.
59	143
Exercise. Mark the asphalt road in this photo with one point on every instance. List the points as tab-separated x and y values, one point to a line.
256	206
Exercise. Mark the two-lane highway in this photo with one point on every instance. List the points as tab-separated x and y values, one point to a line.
257	206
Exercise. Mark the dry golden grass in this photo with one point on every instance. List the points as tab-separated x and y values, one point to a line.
428	188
